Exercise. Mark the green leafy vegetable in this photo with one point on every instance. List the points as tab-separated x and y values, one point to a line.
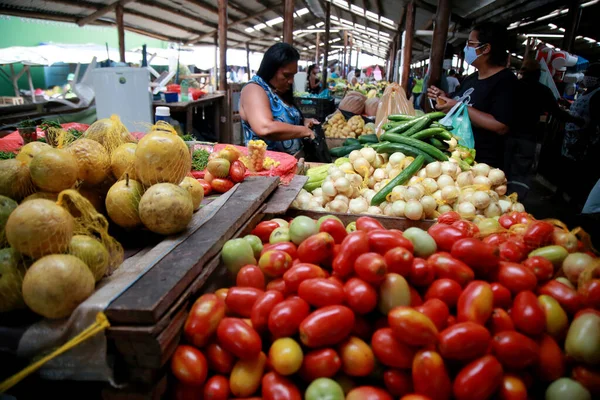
28	123
6	155
188	138
200	159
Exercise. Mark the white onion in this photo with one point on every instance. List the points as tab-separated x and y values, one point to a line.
331	170
394	173
388	167
346	167
354	179
430	185
481	169
413	210
314	206
385	157
429	204
397	209
422	173
501	190
449	169
434	169
318	192
387	210
338	173
371	181
465	195
413	193
379	174
303	199
493	210
378	186
383	205
358	205
329	189
407	161
497	176
354	154
444	180
444	208
338	206
518	207
320	200
343	198
368	195
396	159
369	154
374	210
494	195
437	195
483	182
464	179
361	166
413	180
450	193
378	161
504	205
398	193
481	199
466	210
355	192
478	218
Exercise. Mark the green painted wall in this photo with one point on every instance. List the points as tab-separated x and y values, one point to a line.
17	31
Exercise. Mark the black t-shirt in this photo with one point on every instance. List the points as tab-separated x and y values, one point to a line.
534	99
496	96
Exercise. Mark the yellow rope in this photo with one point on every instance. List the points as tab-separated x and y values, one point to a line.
98	326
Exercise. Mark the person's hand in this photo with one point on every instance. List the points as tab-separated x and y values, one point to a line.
307	133
445	104
310	122
435	92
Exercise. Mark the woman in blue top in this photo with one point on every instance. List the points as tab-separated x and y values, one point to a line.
267	103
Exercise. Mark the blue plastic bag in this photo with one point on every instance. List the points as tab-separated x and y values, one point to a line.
458	117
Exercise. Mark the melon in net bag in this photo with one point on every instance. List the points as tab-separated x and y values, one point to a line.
109	132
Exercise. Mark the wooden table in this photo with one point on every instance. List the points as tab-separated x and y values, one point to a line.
219	100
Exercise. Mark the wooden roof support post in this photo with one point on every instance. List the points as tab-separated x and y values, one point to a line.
121	31
103	11
317	48
573	18
248	60
326	42
223	45
438	44
344	65
288	22
215	81
409	32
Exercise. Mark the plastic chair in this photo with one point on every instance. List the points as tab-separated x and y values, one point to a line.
83	89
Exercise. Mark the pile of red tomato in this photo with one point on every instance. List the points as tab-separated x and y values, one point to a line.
365	313
227	170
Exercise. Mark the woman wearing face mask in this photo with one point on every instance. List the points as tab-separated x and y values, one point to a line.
494	92
314	83
266	103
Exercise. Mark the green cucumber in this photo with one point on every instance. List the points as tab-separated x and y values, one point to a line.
417	127
390	125
391	148
438	144
426	133
425	147
344	150
350	141
400	117
407	125
434	116
365	139
401	178
376	145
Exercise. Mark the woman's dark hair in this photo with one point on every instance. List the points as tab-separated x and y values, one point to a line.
277	56
497	37
310	68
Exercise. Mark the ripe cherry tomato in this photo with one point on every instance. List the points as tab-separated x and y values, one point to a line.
240	300
367	224
500	321
557	321
294	276
316	249
569	299
363	328
262	308
277	387
393	291
274	263
506	221
468	228
415	297
382	240
449	218
464	341
541	267
447	290
513	250
412	327
216	388
437	311
445	236
219	359
370	267
516	277
264	229
326	326
527	314
495	239
278	285
397	383
237	170
446	266
246	375
322	363
189	365
551	365
475	303
515	350
590	291
513	388
285	356
479	379
321	292
502	296
399	261
250	276
538	234
589	378
360	296
430	377
421	273
220	185
238	338
390	351
357	357
480	256
285	318
205	186
335	228
204	317
368	393
288	247
355	244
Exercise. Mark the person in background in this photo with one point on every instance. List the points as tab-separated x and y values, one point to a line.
491	107
267	105
356	78
334	73
453	83
416	91
314	83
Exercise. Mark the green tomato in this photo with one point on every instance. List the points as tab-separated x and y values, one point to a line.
324	389
236	253
556	254
583	339
279	235
255	243
301	228
566	388
282	222
323	218
423	242
351	227
565	282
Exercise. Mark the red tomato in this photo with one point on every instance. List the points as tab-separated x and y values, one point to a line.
464	341
360	296
357	357
437	311
205	186
589	378
370	267
449	218
475	303
495	239
220	185
429	375
515	350
316	249
527	314
414	396
264	229
237	170
368	393
445	236
216	388
203	319
321	292
240	300
277	387
479	379
288	247
541	267
516	277
412	327
480	256
513	388
468	228
326	326
421	273
274	263
355	244
278	285
415	297
294	276
182	391
397	383
551	364
262	308
322	363
239	338
362	328
590	291
500	321
447	290
367	224
250	276
451	320
285	318
399	261
189	365
335	228
513	250
390	351
538	234
568	298
219	359
381	241
502	296
506	221
446	266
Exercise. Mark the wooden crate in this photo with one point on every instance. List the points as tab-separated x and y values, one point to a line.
11	101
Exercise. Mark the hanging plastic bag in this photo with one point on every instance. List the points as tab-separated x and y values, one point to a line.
458	118
393	101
